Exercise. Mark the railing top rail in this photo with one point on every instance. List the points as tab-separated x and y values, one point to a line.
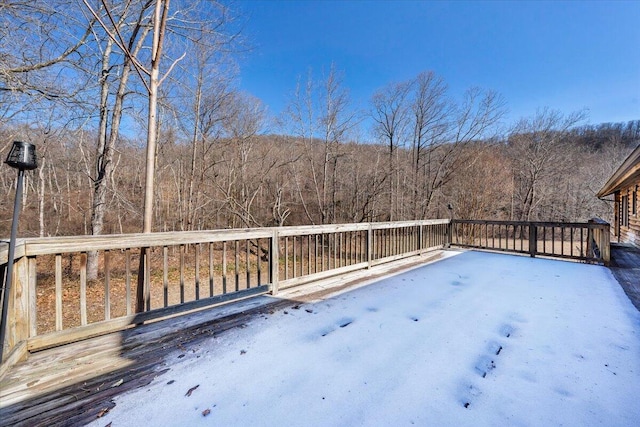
298	230
67	244
336	228
395	224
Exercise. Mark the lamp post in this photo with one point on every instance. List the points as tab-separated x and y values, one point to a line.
22	157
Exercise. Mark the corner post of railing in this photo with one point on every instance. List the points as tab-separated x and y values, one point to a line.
606	245
599	240
533	239
369	245
274	261
17	316
420	236
450	226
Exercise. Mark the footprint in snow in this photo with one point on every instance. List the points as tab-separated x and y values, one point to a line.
494	347
342	323
506	330
468	394
484	365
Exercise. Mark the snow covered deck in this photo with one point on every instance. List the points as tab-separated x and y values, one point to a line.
474	339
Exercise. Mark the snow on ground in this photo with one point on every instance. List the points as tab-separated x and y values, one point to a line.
477	339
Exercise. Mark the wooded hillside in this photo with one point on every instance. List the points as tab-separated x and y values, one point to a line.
284	180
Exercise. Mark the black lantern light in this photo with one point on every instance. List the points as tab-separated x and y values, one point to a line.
22	156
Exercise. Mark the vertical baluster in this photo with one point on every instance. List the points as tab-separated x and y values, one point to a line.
572	231
486	235
224	268
83	288
165	275
301	255
322	254
107	285
236	265
127	279
259	262
309	254
294	238
182	255
147	276
315	253
246	261
197	272
211	283
286	258
58	292
493	236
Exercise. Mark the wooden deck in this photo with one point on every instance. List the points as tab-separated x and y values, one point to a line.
625	265
74	384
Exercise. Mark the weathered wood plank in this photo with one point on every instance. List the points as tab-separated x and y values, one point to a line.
127	266
62	244
58	274
83	289
107	286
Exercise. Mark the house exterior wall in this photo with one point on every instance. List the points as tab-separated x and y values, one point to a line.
627	214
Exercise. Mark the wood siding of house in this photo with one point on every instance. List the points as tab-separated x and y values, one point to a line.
624	185
627	214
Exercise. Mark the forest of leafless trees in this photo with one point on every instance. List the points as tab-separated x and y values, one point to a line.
77	79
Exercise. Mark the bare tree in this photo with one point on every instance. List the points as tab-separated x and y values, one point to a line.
537	147
247	169
390	113
321	117
38	40
430	113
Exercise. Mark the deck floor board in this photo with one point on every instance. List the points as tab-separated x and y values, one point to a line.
625	265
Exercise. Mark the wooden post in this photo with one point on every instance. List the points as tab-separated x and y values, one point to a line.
533	239
599	238
450	226
274	261
606	246
18	320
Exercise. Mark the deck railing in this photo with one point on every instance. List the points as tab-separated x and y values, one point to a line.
56	298
588	242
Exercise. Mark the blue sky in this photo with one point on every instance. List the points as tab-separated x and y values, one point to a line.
563	55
